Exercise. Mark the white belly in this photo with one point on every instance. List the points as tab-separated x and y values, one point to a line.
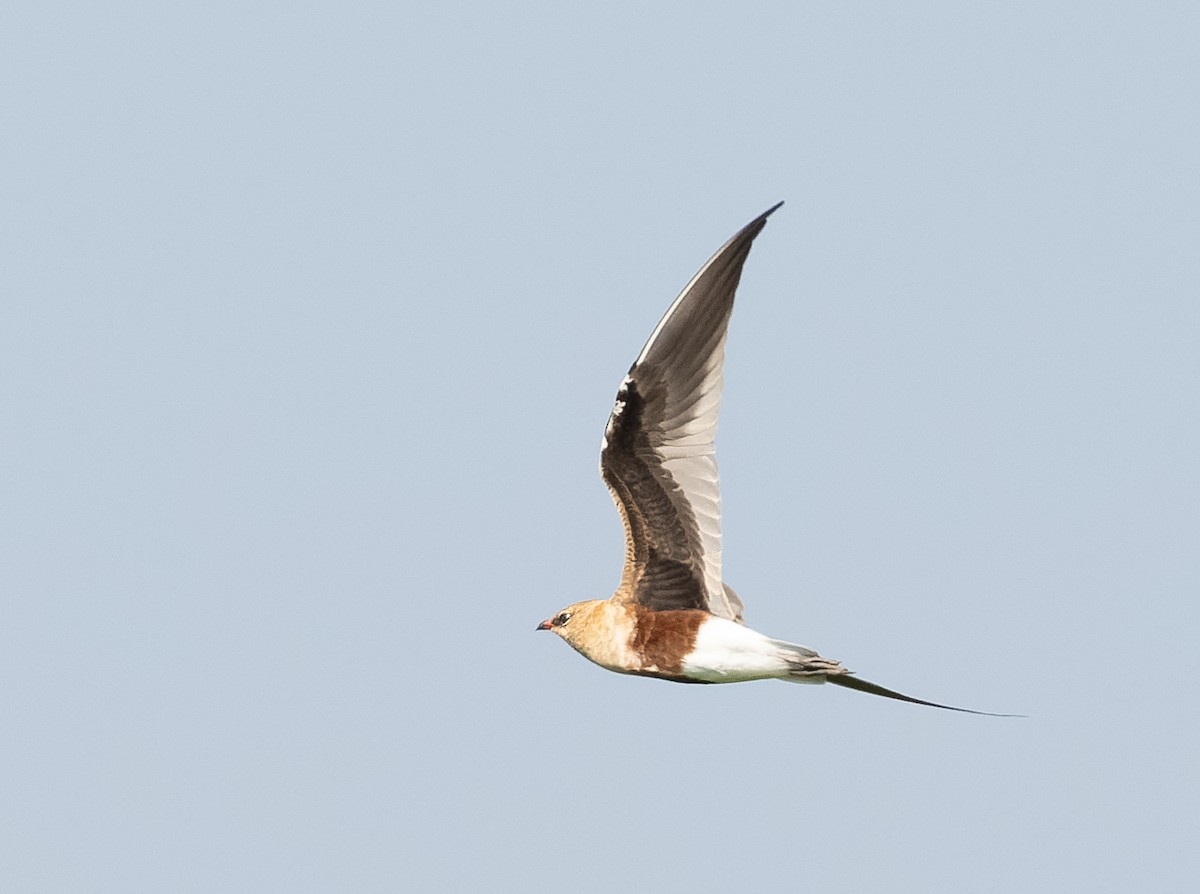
726	652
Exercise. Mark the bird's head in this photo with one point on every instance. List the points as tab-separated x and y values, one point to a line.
574	621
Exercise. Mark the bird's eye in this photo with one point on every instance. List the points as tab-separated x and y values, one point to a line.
561	618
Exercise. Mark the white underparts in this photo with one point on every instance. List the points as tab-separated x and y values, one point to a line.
727	652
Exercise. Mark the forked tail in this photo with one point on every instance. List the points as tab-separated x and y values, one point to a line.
852	682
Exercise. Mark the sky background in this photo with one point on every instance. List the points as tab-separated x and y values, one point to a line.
312	316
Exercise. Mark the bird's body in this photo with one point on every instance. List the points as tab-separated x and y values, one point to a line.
685	645
672	616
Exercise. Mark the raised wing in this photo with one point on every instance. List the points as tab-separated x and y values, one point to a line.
658	457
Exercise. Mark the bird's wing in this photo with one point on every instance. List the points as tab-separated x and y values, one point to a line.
658	457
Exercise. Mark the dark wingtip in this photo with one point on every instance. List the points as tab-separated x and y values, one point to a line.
760	221
746	234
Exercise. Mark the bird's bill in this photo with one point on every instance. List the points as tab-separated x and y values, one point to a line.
545	625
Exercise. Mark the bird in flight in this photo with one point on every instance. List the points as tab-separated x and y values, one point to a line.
673	616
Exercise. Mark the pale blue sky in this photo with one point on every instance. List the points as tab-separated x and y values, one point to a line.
312	315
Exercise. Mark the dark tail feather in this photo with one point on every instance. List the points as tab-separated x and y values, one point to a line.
852	682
